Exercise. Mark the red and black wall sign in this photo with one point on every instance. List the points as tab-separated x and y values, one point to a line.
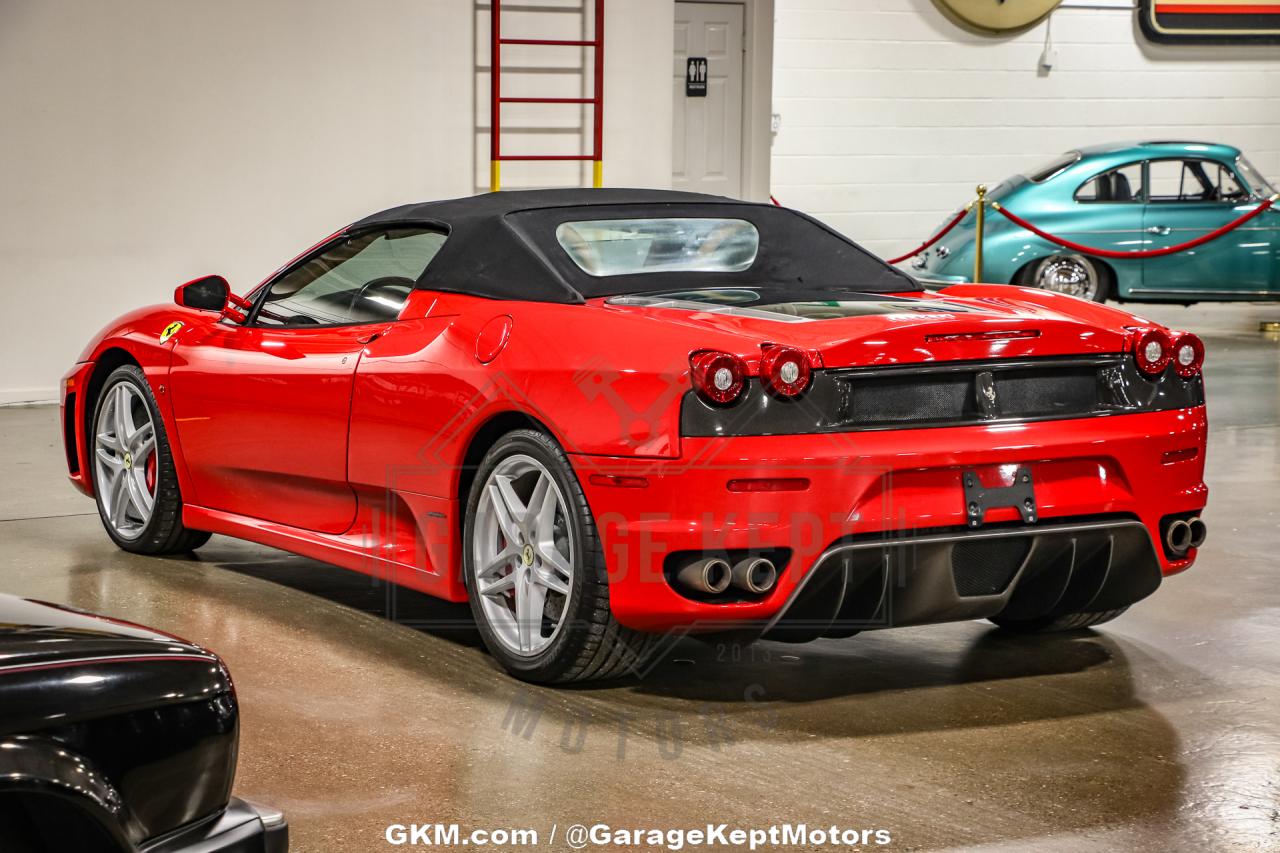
1211	21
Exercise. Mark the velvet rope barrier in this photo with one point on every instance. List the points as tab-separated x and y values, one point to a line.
936	237
1135	253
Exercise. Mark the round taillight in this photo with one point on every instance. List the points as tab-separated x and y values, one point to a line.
1153	349
718	377
1188	354
786	371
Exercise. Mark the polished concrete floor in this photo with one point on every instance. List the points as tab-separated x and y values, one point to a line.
365	705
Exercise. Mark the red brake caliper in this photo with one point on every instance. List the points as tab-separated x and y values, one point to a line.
150	472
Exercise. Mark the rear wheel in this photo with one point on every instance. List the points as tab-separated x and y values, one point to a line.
1074	275
133	475
1064	622
535	571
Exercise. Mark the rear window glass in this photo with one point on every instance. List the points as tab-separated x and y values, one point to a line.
607	247
1053	167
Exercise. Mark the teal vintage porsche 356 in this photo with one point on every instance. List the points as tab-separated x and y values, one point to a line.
1123	198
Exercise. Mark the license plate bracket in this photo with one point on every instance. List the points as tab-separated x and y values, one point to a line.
1021	495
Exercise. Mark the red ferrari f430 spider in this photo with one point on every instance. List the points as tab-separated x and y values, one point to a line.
603	417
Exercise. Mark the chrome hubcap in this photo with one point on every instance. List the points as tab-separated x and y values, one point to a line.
1069	274
124	460
522	555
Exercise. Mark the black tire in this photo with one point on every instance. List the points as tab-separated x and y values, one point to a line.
164	533
591	645
1064	622
1106	281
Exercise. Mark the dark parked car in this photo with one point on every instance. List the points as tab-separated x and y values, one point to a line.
114	738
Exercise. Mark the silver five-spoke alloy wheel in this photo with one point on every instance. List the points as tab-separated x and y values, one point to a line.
124	454
1074	275
522	555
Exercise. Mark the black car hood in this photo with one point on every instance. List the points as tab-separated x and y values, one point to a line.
34	631
60	665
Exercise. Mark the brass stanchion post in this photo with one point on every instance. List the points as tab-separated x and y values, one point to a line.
981	224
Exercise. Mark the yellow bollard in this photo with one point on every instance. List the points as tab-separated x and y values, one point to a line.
981	224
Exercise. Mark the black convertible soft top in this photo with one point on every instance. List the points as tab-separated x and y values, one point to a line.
502	246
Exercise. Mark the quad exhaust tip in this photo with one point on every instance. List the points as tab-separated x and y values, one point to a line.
1198	532
714	575
755	575
710	575
1183	535
1178	536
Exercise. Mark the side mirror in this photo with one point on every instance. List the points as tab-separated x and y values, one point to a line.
209	293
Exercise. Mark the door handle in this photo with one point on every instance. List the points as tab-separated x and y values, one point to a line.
1162	230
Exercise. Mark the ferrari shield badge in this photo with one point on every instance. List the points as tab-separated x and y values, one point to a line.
169	331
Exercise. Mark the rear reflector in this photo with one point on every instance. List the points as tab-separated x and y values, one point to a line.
1184	455
770	484
614	482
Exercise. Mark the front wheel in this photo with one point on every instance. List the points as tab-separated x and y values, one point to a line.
1074	275
133	476
535	571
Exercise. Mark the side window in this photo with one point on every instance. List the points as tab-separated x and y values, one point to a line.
1194	180
1122	184
1229	188
362	279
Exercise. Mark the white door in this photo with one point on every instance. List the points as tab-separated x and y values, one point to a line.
707	144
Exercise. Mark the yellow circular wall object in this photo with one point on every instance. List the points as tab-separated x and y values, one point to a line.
998	16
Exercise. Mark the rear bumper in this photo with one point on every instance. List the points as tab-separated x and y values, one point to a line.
896	487
1019	572
241	827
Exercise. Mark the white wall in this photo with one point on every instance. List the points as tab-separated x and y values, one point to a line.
145	142
891	114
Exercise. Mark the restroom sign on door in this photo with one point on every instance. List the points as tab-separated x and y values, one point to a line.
695	77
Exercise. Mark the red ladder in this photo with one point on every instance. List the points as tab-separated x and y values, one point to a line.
496	100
